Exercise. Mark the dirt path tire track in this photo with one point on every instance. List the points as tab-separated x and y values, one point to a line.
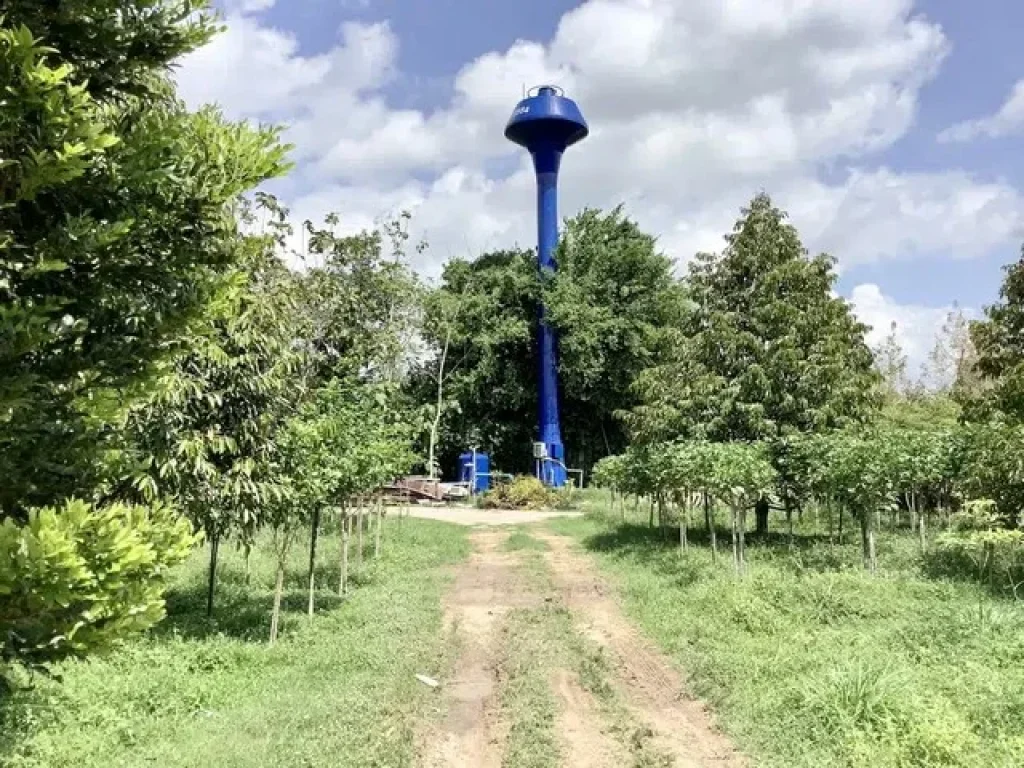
648	683
475	729
586	745
486	587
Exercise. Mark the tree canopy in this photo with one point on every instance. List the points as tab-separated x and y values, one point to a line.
613	302
770	349
117	223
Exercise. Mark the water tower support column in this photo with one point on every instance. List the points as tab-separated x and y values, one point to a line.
545	163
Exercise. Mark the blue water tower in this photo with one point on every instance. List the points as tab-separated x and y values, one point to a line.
546	122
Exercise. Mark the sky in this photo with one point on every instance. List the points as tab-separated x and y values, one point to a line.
890	130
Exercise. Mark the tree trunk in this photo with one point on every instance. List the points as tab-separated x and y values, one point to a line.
840	525
761	510
276	615
743	539
650	518
359	536
247	548
921	533
712	533
684	513
212	579
376	532
867	540
346	526
789	524
662	523
736	539
435	426
312	558
912	508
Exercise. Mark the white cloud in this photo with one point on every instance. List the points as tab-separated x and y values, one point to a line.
694	106
248	6
1008	120
882	214
250	70
916	326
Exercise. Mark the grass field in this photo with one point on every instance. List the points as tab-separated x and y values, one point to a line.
810	662
337	690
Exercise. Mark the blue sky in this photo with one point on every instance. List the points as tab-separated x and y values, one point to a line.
845	112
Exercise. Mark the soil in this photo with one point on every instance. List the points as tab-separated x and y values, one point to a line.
652	687
485	588
476	516
585	743
472	732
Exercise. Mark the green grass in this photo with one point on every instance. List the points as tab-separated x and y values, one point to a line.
530	652
339	690
520	540
810	662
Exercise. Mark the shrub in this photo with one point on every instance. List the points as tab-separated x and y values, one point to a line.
80	578
524	492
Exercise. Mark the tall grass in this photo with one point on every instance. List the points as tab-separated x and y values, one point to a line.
812	662
337	690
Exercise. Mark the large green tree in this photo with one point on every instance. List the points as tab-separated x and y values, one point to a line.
769	351
116	223
118	229
612	301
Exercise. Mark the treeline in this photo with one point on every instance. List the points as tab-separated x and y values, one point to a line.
771	400
164	374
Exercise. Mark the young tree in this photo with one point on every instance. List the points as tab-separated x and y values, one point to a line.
770	350
206	435
444	315
859	471
78	579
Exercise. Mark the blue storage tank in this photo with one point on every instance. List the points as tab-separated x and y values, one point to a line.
475	470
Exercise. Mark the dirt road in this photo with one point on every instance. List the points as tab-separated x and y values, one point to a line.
477	516
547	657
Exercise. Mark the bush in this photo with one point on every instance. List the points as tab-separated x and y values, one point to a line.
980	546
80	578
524	492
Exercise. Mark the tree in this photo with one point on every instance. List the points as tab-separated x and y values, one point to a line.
990	468
1000	360
117	229
116	223
205	437
359	303
951	364
612	301
491	368
858	470
444	314
770	350
891	363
